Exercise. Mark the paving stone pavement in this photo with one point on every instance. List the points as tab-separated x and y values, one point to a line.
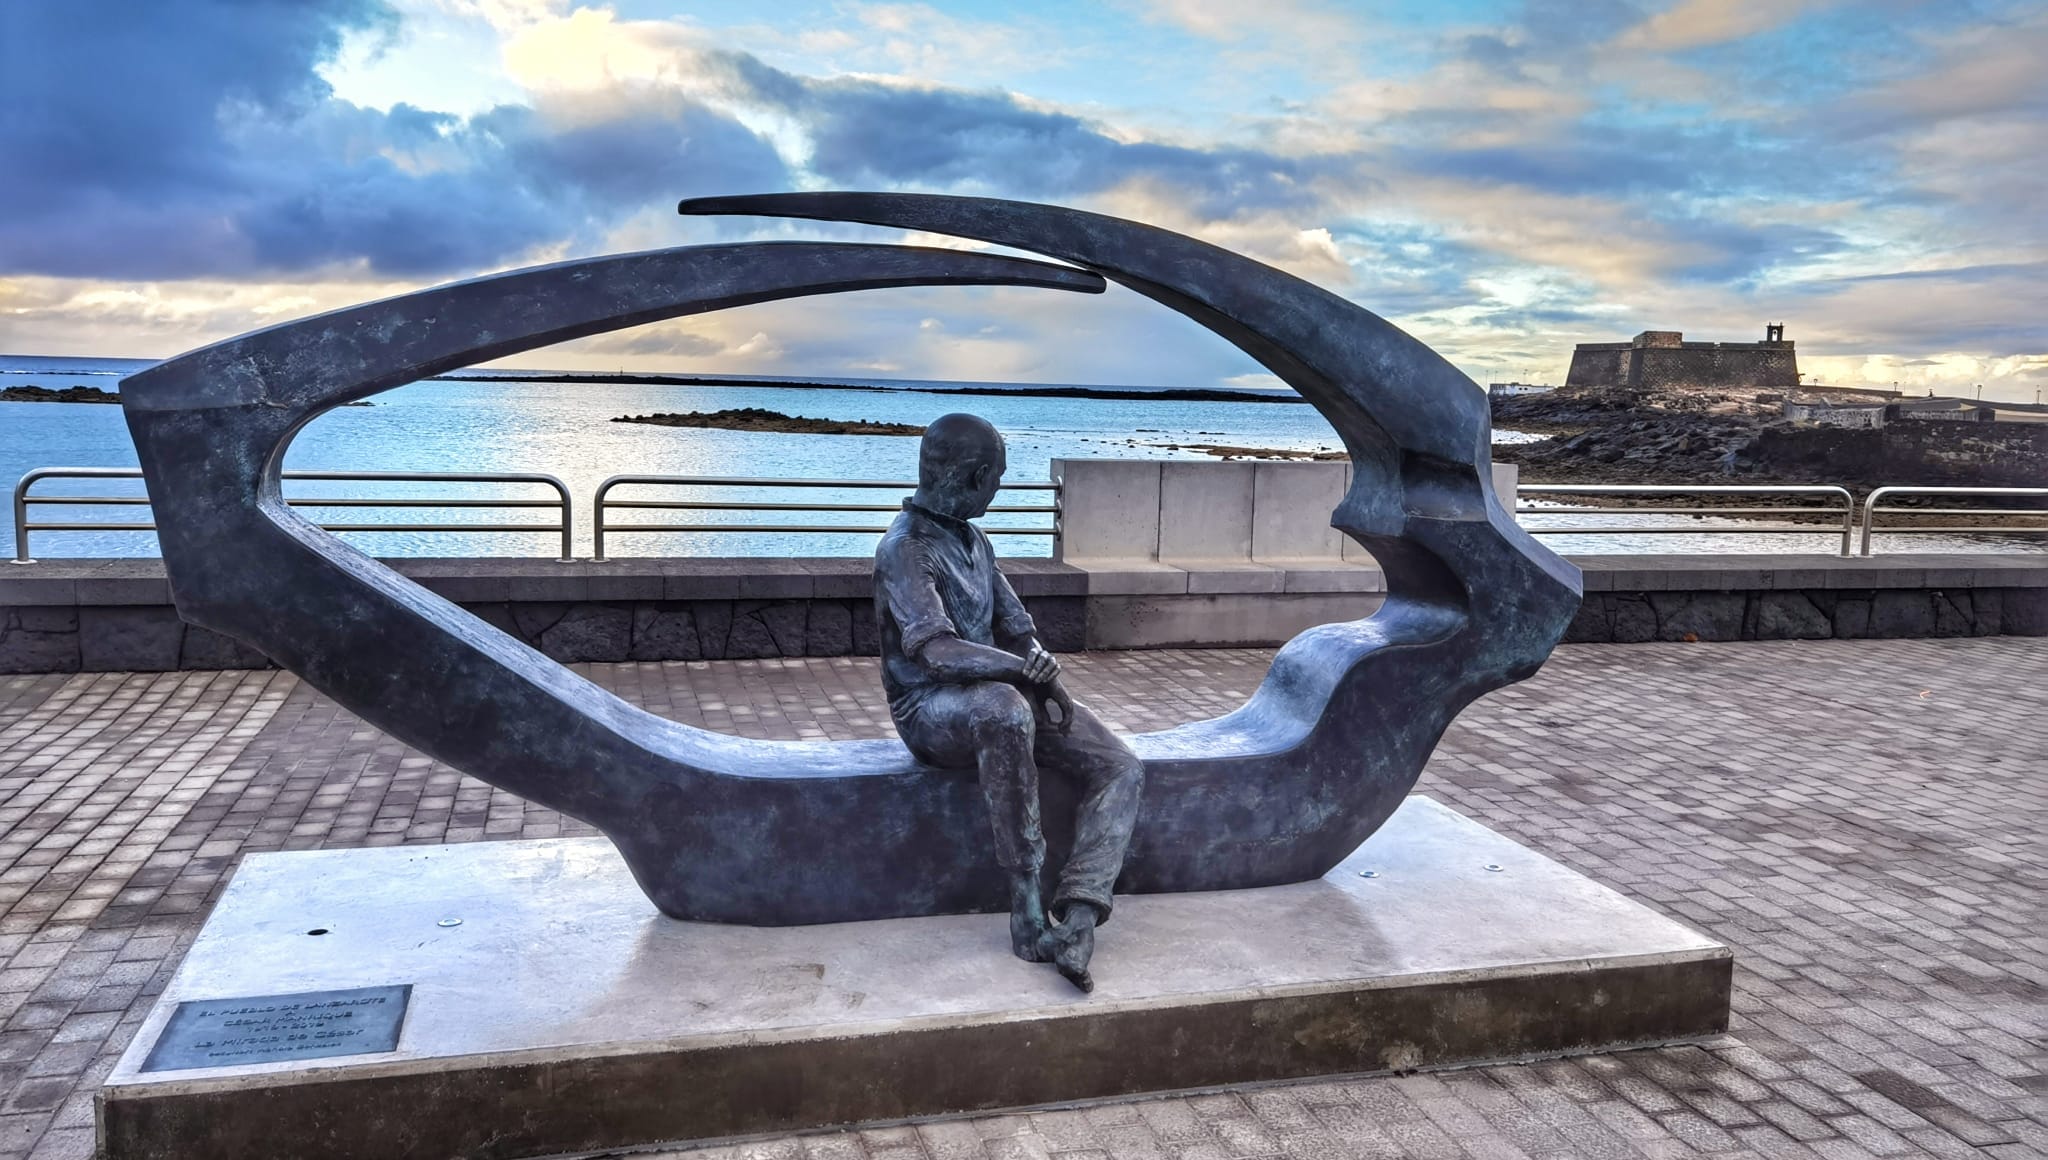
1863	820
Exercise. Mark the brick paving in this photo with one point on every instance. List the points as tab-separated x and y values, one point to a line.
1863	820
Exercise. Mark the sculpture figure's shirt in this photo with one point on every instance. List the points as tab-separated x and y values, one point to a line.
936	576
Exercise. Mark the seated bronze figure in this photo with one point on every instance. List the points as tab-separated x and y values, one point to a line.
970	687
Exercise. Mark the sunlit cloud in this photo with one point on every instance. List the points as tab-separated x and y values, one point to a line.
1691	24
1502	179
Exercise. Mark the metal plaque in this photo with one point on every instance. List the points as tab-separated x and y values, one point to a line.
269	1028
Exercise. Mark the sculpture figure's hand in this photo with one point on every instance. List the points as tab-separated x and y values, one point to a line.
1054	694
1040	666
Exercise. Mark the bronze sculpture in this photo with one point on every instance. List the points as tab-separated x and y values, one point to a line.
725	829
970	687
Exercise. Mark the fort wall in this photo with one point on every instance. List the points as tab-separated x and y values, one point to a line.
1599	364
1662	360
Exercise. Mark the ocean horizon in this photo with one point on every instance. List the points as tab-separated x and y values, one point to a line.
34	370
497	419
513	420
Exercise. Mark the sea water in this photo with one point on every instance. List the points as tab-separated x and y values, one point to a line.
566	429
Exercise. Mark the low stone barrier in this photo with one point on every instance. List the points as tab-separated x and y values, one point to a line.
1643	598
116	615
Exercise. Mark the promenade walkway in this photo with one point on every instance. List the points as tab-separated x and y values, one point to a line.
1865	821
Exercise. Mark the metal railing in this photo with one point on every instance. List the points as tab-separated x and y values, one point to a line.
1841	508
564	525
1872	509
604	505
1836	515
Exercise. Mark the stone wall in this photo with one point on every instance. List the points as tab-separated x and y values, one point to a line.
1809	614
115	615
153	639
1953	454
1714	365
118	638
1599	364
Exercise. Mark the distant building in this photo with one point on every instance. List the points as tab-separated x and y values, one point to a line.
1945	408
1887	393
1868	416
1662	358
1510	390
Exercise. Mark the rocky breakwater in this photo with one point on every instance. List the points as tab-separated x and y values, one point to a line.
1679	436
82	395
762	419
65	395
1615	435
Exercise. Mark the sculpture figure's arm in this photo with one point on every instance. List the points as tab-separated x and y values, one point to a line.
1036	673
910	595
961	662
1017	633
1015	630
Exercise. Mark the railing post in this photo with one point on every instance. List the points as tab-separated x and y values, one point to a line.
568	524
1870	515
21	555
1059	519
597	519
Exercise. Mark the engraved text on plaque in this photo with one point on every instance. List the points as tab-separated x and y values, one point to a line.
269	1028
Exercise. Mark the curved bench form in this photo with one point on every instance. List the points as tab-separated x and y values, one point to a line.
719	828
1337	734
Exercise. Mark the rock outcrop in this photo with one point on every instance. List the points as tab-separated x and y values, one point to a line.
762	419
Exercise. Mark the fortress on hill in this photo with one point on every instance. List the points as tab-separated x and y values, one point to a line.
1662	358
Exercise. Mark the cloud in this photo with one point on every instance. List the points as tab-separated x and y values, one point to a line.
873	132
1303	22
1992	69
1692	24
672	340
1991	272
1504	184
1294	33
918	40
865	133
1955	128
150	319
1993	309
222	151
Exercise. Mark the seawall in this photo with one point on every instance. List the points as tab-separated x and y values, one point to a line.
116	615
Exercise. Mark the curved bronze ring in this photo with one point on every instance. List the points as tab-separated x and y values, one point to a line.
719	828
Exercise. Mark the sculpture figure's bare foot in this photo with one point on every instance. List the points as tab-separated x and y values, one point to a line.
1073	944
1030	937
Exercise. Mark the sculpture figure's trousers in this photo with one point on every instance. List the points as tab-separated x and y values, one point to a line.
993	729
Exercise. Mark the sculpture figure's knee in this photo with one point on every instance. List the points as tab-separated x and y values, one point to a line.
1129	768
999	712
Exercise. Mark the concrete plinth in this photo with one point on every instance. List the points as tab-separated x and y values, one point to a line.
563	1014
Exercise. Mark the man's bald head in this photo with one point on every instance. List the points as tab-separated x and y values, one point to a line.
957	443
959	464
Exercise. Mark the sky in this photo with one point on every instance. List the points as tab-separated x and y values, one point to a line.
1501	178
